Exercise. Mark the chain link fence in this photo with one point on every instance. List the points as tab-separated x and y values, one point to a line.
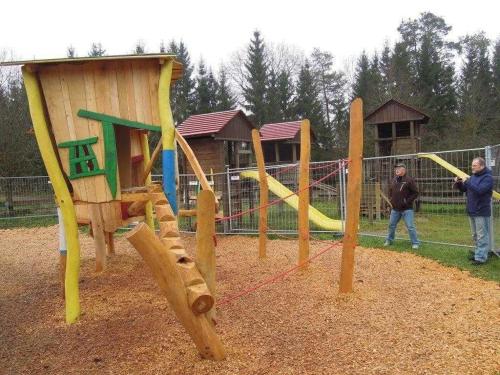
439	210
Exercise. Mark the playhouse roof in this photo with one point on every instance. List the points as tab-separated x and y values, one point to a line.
177	69
280	131
208	124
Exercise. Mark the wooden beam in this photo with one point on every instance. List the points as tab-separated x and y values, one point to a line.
354	195
205	247
149	165
305	155
264	192
135	197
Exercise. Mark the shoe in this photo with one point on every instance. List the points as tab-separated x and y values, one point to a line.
414	247
387	243
476	263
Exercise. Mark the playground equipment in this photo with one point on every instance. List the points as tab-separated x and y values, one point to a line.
317	217
91	118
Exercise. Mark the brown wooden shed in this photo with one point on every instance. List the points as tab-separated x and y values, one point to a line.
397	128
219	139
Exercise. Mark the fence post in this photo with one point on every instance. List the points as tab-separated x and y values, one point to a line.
229	208
490	163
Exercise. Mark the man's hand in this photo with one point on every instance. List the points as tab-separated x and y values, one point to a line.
457	179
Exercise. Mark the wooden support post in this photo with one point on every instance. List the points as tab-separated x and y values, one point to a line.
205	247
378	200
110	242
354	183
62	271
164	265
152	160
264	192
99	238
305	154
146	178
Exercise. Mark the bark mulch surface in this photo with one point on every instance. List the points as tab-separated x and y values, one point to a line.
407	315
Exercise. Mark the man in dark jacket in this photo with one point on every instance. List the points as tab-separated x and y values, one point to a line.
479	189
402	192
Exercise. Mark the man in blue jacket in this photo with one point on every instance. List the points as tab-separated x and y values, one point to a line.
479	189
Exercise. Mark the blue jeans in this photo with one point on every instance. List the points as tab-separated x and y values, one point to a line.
407	216
480	227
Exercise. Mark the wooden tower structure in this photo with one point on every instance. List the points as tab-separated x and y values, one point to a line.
91	118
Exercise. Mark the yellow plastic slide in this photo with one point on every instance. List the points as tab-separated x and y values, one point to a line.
451	168
293	201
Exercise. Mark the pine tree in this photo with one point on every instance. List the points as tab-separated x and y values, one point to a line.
202	93
496	88
308	106
386	73
163	49
224	96
96	50
362	82
401	79
476	92
254	90
182	96
376	81
71	52
272	99
286	96
140	48
432	69
322	67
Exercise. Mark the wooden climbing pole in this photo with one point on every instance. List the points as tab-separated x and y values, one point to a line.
205	246
305	155
354	195
264	192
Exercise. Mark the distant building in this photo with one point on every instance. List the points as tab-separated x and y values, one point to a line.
281	141
218	140
397	128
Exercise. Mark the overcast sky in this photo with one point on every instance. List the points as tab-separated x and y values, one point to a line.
214	29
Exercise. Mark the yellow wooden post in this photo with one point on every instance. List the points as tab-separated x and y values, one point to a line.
353	195
147	159
205	247
61	191
264	192
305	155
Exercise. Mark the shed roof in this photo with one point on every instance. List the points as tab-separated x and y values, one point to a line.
208	124
281	131
395	111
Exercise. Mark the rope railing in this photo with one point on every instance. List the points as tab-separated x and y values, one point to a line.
230	298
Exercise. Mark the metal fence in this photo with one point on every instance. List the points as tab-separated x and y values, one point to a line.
440	210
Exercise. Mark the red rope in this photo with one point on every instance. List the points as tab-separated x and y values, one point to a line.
272	203
273	279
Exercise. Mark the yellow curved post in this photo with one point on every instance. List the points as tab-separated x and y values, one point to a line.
168	134
149	206
63	196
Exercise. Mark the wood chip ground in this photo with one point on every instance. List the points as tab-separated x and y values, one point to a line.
408	314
